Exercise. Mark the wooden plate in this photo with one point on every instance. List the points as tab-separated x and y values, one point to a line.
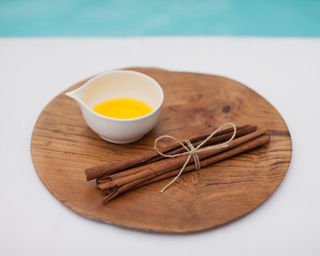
63	146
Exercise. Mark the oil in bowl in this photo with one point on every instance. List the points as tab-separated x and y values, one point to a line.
123	108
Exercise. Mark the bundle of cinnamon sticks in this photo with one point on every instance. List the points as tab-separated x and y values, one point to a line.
116	178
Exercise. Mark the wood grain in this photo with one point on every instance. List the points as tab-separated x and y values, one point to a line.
63	146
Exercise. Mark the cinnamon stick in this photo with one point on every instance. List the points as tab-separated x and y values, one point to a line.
215	140
105	170
110	168
160	167
244	147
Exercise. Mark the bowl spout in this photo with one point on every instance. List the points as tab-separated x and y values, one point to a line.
76	95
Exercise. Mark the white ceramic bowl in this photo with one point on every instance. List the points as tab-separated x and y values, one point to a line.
116	84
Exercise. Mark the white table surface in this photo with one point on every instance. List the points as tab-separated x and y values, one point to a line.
284	71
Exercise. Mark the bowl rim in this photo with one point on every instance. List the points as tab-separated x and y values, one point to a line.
105	73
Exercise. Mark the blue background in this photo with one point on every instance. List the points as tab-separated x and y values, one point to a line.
145	18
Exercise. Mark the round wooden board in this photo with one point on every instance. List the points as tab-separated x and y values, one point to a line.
63	146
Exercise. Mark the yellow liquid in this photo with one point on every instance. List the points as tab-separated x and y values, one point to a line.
122	108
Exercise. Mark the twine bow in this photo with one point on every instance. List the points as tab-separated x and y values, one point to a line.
192	151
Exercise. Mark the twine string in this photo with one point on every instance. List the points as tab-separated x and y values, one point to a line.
192	151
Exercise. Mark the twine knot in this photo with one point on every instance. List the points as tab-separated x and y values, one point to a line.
192	151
